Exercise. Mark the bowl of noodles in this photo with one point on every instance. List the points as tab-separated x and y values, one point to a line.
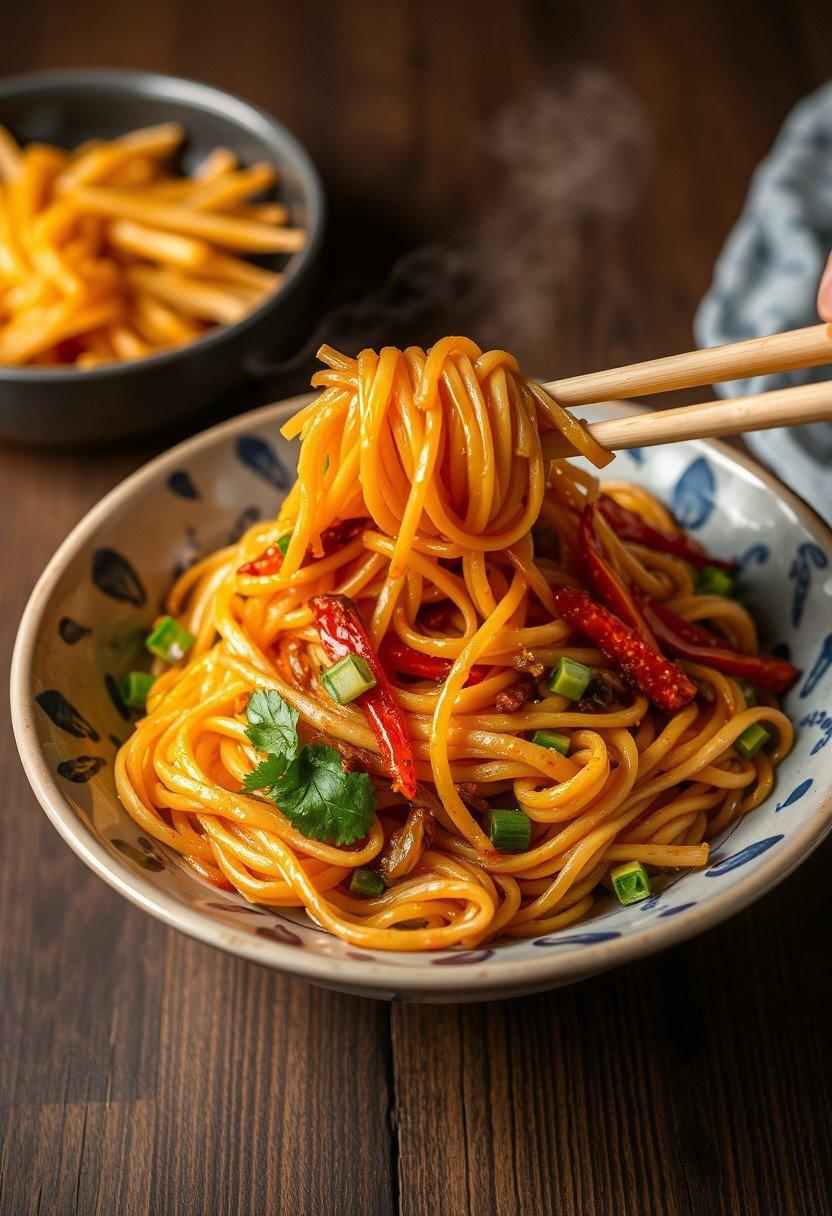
362	688
159	243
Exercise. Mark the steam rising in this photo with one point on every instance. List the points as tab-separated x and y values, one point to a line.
569	159
565	159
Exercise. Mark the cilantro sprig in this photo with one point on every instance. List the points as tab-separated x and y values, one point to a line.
307	783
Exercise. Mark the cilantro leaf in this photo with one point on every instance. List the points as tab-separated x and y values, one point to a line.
273	725
268	772
321	800
308	784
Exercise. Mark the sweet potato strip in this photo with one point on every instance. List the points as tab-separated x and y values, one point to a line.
171	249
232	188
99	163
188	295
248	236
108	254
10	159
19	343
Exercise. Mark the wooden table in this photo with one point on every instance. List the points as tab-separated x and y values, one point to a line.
144	1073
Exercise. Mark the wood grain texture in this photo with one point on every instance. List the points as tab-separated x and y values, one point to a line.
685	1083
142	1073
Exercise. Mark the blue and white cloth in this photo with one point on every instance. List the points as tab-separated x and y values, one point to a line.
766	281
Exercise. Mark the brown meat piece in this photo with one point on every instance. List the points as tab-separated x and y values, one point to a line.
298	662
516	695
467	791
602	690
403	850
526	662
705	692
353	759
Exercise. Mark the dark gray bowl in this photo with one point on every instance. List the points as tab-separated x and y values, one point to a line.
64	406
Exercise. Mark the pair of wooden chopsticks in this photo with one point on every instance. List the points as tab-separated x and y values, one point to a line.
810	347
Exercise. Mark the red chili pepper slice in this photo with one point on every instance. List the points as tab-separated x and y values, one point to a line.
629	526
342	632
332	539
397	655
611	589
691	641
659	679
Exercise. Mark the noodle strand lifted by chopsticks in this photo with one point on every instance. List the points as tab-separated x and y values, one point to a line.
437	458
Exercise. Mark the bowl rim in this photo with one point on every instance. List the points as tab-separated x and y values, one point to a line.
378	972
247	116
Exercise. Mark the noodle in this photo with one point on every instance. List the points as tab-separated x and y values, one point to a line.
439	455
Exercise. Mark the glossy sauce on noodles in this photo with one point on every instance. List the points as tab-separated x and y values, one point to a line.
439	455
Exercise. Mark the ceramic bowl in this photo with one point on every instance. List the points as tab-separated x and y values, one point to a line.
62	406
83	629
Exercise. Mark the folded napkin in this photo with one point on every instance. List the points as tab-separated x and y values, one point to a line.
766	281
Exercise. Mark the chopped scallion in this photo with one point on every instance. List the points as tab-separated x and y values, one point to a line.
169	640
713	581
348	679
546	738
631	882
509	830
134	689
569	679
366	882
751	740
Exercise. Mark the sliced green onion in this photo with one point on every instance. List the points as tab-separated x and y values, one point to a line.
569	679
631	882
713	581
545	738
747	690
366	882
169	640
510	831
348	679
283	542
751	740
134	688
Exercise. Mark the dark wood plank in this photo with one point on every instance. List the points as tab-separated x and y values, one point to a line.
77	1066
272	1095
680	1085
141	1072
677	1086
